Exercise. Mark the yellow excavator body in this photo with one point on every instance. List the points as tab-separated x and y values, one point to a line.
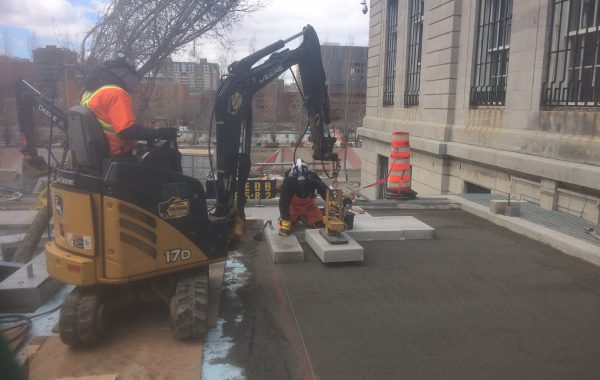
103	240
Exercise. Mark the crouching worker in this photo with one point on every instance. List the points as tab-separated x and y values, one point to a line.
297	198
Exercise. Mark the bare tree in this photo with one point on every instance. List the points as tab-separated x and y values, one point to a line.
6	42
252	44
152	30
225	54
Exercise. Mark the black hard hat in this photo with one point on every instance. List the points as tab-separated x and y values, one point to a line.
120	61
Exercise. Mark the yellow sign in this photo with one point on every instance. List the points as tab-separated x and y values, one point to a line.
235	101
260	189
174	208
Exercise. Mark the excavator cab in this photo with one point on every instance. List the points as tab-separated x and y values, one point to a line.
123	227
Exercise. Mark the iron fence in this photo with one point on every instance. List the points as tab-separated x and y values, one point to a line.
491	58
415	43
573	66
390	53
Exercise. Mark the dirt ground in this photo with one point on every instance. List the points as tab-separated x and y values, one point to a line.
140	346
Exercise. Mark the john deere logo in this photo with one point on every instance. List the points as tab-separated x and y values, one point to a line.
235	101
59	205
174	208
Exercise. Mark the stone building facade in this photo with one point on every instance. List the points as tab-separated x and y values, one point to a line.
497	95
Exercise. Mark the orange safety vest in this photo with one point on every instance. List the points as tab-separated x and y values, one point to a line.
113	110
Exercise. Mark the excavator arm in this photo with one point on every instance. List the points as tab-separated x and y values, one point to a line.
233	111
29	99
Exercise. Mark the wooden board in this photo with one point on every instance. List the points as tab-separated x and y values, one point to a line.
112	376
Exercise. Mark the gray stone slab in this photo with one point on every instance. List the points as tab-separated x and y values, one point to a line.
16	219
498	206
367	227
7	268
10	243
20	293
334	253
285	249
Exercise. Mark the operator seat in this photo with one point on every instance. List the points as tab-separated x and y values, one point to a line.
87	141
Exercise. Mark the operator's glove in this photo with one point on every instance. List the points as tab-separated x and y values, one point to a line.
285	227
168	134
347	202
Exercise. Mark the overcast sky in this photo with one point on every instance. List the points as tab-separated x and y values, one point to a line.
55	21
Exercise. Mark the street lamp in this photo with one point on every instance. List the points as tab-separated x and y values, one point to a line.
364	8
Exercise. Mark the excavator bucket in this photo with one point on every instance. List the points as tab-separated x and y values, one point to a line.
33	167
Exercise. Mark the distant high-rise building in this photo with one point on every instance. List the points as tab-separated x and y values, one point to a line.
197	76
346	73
345	65
47	62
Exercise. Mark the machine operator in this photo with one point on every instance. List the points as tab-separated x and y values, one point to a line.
297	198
107	94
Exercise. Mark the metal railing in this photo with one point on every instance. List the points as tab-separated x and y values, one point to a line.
491	58
415	43
573	71
390	53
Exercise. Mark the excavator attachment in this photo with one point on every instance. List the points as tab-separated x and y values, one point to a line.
34	166
29	100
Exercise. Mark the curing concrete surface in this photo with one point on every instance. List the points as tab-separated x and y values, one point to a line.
476	302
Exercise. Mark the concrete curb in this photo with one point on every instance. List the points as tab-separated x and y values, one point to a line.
558	240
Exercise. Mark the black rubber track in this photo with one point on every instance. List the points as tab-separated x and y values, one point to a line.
189	305
82	318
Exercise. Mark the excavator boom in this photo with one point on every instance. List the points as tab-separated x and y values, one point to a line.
29	99
233	110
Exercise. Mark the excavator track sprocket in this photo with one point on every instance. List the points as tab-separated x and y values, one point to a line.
189	305
83	316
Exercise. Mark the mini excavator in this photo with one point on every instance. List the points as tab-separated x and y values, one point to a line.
126	230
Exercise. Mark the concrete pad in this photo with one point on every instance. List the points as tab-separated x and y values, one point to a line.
334	253
498	206
10	243
21	293
285	249
16	219
7	268
8	174
367	227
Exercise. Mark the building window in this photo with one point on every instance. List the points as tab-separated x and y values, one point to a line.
390	53
415	43
491	57
573	73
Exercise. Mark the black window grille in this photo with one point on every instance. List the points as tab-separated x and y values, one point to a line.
573	73
491	57
390	53
415	43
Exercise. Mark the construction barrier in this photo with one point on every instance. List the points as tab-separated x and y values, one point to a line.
399	178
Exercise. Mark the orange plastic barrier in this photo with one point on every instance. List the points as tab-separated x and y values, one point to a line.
399	169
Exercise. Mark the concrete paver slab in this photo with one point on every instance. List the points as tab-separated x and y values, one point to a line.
367	227
16	219
23	293
284	249
334	253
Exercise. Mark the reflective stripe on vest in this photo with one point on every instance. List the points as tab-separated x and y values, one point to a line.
87	97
